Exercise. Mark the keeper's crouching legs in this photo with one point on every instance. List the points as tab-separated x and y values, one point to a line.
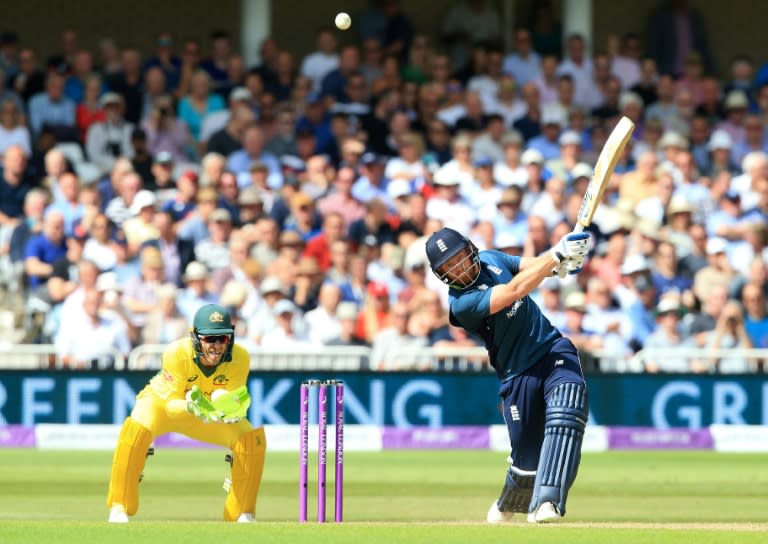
127	464
247	466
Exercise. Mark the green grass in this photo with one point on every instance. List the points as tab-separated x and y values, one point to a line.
395	496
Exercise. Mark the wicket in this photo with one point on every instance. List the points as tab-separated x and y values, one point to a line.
322	417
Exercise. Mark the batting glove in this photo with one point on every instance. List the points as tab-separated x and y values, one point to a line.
571	246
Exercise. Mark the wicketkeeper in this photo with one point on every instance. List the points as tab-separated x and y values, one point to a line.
178	399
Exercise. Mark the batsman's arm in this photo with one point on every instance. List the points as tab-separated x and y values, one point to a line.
533	270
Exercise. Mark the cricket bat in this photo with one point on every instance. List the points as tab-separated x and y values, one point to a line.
606	162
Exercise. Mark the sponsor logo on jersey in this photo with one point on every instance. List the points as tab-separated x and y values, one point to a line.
495	269
167	376
216	317
559	362
514	412
513	309
482	287
221	379
193	378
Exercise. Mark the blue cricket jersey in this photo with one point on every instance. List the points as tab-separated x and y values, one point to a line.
517	336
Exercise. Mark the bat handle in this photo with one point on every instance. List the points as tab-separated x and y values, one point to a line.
578	228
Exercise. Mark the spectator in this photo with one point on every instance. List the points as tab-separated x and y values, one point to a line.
667	277
140	227
196	293
285	335
44	249
730	333
325	59
109	139
755	318
155	88
54	110
467	24
92	341
718	272
89	110
29	80
394	345
102	247
217	65
167	133
346	315
128	84
82	67
12	130
140	294
322	322
164	323
213	251
341	201
67	202
252	150
668	334
166	60
198	103
119	208
699	323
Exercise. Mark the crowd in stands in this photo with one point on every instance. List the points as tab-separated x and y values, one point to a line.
299	192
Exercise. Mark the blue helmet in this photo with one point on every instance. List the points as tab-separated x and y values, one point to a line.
442	246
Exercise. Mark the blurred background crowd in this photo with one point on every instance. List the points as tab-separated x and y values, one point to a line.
299	192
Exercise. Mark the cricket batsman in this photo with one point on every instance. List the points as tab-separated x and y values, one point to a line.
542	386
180	398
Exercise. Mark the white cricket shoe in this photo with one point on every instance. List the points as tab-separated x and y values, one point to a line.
246	517
497	516
545	513
117	514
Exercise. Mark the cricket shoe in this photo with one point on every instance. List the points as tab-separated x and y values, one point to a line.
246	517
497	516
545	513
117	514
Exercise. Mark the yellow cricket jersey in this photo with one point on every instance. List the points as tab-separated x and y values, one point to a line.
180	371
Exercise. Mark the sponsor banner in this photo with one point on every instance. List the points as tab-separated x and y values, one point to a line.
402	400
17	436
595	438
76	437
356	438
630	438
740	438
443	438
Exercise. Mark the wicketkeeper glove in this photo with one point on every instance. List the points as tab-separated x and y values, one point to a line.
233	404
572	246
200	406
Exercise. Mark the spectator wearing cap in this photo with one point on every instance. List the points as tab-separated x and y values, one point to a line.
166	59
511	219
239	97
718	271
719	155
285	335
52	108
196	293
447	204
668	334
213	251
570	154
483	195
167	132
547	143
735	105
109	139
727	220
641	311
303	218
679	220
340	200
250	206
371	183
226	140
140	227
240	161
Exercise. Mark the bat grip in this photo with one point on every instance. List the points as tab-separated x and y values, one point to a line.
578	228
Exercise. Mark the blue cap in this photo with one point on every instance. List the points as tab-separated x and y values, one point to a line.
444	244
313	98
370	158
481	162
292	162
